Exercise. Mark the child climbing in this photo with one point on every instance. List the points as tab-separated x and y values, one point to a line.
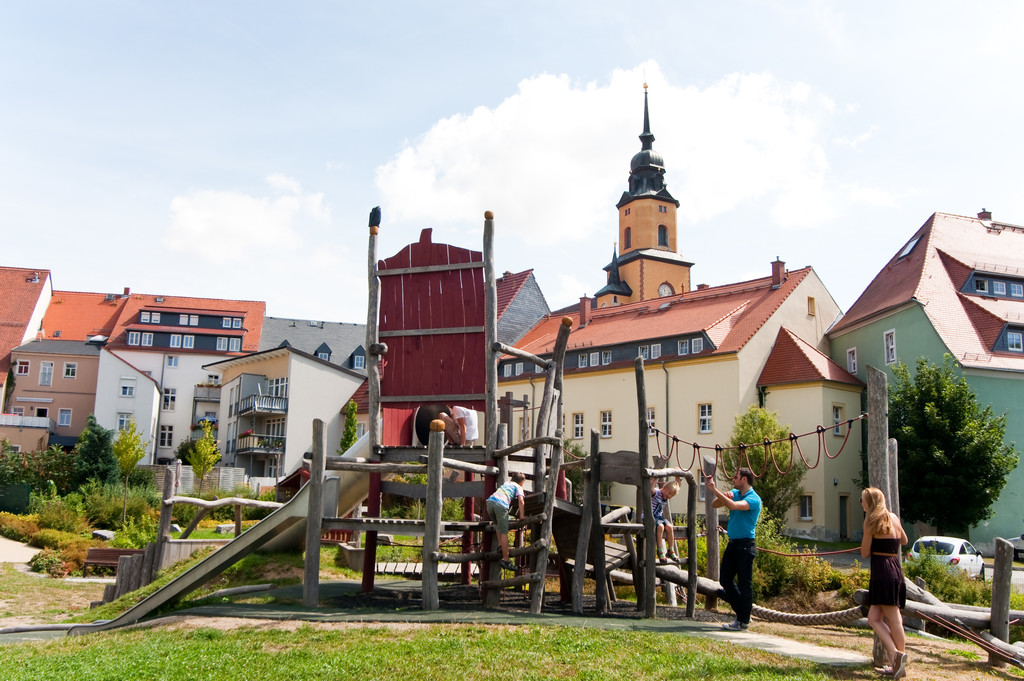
663	526
498	506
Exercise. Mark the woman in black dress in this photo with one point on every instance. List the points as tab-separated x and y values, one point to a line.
887	592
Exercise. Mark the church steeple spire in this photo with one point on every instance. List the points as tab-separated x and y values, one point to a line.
646	137
647	168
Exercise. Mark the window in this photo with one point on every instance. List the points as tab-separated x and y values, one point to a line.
172	361
837	420
627	241
170	395
324	355
46	373
127	390
889	341
15	448
278	387
577	426
810	306
213	379
506	369
222	344
64	417
644	352
147	339
606	357
697	345
581	361
18	411
1017	290
21	367
999	288
683	347
236	344
662	209
1014	341
538	369
606	424
144	317
806	507
662	234
175	340
123	419
226	322
236	323
359	362
703	418
166	436
360	430
519	369
133	337
183	320
42	412
909	247
851	360
656	351
70	369
627	212
154	317
188	342
595	358
650	421
981	285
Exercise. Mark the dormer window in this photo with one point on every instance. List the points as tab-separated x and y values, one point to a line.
981	285
999	288
1016	290
1015	341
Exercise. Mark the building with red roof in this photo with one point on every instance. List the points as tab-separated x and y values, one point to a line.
24	295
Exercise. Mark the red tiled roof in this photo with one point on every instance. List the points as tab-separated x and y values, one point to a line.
253	311
362	397
77	316
932	274
729	314
508	286
793	360
20	290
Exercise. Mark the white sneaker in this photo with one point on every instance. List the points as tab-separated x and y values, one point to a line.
735	626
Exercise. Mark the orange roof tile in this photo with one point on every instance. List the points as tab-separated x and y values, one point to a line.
253	312
793	360
72	315
20	290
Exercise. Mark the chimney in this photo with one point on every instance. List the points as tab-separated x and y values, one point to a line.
778	272
127	291
584	310
985	214
702	287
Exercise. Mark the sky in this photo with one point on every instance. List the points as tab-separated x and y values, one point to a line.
235	149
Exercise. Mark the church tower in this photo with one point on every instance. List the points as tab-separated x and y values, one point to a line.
647	264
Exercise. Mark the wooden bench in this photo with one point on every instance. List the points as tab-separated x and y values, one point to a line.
103	557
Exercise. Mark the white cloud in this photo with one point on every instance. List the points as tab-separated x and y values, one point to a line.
228	226
854	142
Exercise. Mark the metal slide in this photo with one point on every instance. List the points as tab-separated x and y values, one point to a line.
283	528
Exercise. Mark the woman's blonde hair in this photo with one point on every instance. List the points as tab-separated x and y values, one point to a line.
877	516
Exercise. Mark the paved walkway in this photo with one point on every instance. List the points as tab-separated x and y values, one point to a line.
15	552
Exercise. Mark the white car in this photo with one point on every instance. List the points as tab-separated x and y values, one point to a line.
957	552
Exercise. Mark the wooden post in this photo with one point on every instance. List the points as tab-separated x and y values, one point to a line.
1000	624
432	527
579	570
163	534
707	467
878	433
238	519
691	547
596	530
373	362
490	334
644	494
314	517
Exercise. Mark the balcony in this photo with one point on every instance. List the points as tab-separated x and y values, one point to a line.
207	393
18	421
263	404
254	443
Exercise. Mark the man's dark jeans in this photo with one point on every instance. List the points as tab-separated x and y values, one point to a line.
737	576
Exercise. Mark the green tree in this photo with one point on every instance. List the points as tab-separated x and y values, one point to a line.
204	455
949	447
94	454
779	491
128	450
348	436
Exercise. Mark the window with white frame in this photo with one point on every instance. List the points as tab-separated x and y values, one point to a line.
127	390
581	361
70	369
172	361
697	345
999	288
644	352
577	426
538	369
213	379
123	419
235	344
655	350
18	411
21	367
154	317
133	337
506	369
837	420
222	343
46	373
519	369
1014	341
360	430
175	340
358	362
15	449
64	417
703	418
226	323
595	358
193	320
650	421
236	323
170	397
806	507
889	342
683	347
42	412
851	360
166	436
183	320
981	285
606	357
606	424
324	355
810	306
144	317
278	387
1017	290
188	341
147	339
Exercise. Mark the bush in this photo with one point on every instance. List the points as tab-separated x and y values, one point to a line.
948	584
104	503
778	575
56	513
18	527
135	534
49	562
54	539
142	477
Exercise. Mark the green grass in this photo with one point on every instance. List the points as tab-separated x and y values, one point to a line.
441	652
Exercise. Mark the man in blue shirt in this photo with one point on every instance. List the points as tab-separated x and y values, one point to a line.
737	571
